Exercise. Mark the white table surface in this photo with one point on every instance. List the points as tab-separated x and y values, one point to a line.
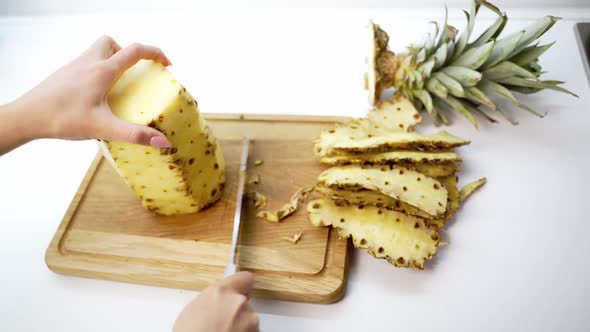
517	258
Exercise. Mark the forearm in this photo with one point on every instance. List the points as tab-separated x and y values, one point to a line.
18	125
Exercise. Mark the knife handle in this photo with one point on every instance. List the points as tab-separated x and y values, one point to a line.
230	269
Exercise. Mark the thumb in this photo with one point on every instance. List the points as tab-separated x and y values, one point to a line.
242	282
112	128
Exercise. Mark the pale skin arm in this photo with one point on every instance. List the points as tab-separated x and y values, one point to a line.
72	104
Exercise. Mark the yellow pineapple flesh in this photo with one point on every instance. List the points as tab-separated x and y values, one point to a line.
184	178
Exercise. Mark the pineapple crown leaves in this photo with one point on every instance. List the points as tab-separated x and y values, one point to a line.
449	72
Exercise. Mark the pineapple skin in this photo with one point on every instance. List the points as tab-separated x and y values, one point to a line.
366	197
400	183
397	114
188	176
344	197
450	182
392	157
404	241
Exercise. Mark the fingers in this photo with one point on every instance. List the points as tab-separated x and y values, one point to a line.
102	49
247	322
112	128
254	322
242	282
130	55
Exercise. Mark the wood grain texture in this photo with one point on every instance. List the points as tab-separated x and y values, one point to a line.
107	234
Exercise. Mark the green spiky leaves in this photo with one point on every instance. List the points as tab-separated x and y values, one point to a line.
467	74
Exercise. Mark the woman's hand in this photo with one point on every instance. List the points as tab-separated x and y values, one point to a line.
222	307
72	102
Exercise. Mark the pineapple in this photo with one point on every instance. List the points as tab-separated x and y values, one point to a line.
395	157
449	73
184	178
405	241
416	189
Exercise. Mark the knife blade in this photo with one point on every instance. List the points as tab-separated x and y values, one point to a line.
231	268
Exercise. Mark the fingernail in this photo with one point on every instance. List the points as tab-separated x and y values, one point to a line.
159	142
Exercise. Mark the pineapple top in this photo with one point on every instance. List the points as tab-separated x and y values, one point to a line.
461	72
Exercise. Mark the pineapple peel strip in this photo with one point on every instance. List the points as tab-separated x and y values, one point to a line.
399	114
392	157
403	240
450	182
287	209
436	171
363	135
398	182
470	188
259	199
294	238
396	140
368	197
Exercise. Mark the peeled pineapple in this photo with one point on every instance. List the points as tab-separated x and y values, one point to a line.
184	178
403	240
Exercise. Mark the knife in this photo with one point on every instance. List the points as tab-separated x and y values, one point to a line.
231	268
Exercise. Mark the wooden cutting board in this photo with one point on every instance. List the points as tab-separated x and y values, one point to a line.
107	234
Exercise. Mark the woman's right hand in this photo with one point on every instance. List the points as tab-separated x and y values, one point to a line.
222	307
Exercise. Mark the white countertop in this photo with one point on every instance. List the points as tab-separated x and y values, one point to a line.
517	258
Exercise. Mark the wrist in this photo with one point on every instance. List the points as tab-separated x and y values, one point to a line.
20	118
